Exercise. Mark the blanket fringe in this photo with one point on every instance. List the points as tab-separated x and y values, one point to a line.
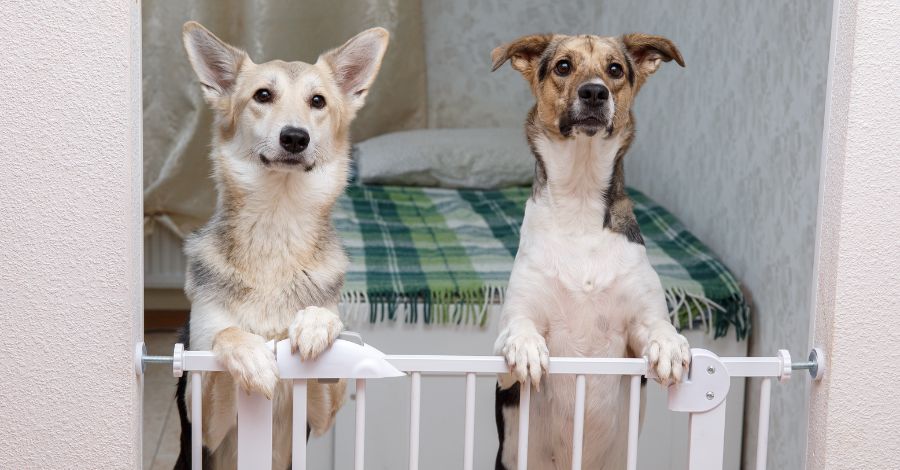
467	307
687	311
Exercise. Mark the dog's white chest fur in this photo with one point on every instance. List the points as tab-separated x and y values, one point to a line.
587	265
584	269
586	279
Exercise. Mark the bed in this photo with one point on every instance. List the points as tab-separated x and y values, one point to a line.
442	256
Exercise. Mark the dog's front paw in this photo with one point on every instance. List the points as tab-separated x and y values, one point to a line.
250	362
669	355
527	356
313	330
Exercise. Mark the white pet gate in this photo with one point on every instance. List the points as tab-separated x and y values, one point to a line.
702	394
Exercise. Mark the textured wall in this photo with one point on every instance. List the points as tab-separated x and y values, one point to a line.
852	421
70	297
730	144
459	37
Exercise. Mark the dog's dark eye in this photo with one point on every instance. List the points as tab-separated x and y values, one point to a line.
263	95
615	70
563	68
317	101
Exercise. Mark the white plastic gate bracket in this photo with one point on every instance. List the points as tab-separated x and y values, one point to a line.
343	360
786	364
140	350
178	360
702	394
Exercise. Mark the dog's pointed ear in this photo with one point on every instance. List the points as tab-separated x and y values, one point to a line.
648	52
356	63
523	53
215	62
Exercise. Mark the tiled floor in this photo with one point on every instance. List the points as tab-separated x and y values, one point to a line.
161	426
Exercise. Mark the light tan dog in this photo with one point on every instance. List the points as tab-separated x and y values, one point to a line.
269	265
581	284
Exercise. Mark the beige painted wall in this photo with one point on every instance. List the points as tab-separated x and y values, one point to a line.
853	412
70	212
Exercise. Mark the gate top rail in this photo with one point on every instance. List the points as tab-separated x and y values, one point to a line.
350	358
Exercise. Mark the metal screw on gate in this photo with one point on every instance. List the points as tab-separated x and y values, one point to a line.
710	370
710	395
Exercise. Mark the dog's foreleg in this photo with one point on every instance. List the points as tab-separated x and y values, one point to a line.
651	334
521	341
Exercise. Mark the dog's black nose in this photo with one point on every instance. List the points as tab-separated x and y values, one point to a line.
294	139
593	94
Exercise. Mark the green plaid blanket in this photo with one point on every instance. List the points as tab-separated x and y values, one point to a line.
445	255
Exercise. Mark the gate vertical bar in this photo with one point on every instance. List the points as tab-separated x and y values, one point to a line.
196	421
298	435
360	456
578	430
762	443
524	412
415	394
254	429
469	454
634	416
706	448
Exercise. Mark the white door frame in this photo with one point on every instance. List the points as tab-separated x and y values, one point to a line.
852	412
71	217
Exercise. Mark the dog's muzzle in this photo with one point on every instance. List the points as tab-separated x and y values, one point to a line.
294	141
590	112
593	95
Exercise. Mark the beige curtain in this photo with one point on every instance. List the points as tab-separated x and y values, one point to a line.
178	192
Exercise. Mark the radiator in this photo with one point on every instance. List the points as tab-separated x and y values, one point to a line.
702	395
164	262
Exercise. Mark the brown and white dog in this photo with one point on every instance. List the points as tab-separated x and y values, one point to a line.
269	265
581	284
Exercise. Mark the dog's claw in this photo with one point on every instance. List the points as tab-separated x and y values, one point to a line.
313	330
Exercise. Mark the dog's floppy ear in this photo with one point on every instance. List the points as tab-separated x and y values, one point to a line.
215	62
356	63
523	53
648	52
